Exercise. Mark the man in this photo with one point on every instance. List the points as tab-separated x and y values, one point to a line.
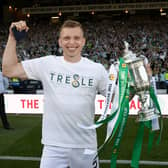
70	84
4	84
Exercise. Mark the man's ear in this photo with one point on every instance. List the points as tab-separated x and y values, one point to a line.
60	42
84	41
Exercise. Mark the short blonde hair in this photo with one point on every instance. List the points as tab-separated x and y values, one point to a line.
71	24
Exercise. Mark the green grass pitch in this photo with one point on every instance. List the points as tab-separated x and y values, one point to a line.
25	140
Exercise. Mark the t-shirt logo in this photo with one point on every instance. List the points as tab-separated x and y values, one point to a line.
75	83
74	80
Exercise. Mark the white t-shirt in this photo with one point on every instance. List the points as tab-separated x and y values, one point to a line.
69	95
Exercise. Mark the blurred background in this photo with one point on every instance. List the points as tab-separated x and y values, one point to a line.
143	23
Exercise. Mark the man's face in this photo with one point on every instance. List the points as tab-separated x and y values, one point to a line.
72	41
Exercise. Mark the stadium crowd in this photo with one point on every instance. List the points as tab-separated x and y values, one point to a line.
148	35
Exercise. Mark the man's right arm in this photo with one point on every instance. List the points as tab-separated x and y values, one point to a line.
10	65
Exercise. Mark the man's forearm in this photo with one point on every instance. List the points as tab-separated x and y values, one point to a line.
10	65
9	59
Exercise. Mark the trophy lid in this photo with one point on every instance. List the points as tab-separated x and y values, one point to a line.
129	56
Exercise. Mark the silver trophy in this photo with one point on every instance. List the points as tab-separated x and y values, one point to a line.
140	82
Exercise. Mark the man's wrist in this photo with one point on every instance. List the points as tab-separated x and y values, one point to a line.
11	38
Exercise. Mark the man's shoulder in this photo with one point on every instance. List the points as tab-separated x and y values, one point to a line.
91	62
46	58
94	66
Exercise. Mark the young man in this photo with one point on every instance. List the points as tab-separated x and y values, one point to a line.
70	84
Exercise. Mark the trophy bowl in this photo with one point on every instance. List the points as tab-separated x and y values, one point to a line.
140	82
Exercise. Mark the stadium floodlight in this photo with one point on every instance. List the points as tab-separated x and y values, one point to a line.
163	14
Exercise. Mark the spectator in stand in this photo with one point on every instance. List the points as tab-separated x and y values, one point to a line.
166	80
162	80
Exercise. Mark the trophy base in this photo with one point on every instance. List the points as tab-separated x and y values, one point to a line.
146	115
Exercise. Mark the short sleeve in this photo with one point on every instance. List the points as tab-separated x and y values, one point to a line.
33	68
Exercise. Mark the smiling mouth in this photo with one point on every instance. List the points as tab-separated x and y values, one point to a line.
72	48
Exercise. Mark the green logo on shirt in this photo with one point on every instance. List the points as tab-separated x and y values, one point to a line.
75	83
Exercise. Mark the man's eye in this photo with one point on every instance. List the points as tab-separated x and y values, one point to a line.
66	38
77	38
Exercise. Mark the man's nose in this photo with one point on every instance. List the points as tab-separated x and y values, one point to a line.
72	40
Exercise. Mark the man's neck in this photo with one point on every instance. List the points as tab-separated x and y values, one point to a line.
72	59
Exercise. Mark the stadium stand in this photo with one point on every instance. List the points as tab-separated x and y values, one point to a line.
147	34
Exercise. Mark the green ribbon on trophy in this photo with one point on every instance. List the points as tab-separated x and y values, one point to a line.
140	134
122	111
137	82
